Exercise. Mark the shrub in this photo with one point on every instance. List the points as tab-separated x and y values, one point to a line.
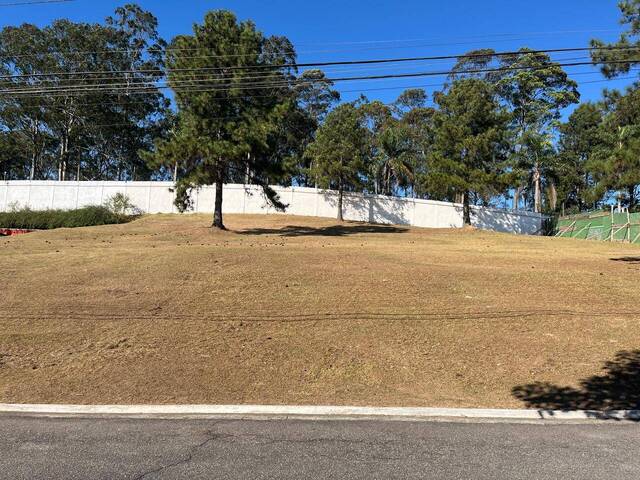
121	204
48	219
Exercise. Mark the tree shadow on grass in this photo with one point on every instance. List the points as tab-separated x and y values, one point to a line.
627	259
330	231
618	388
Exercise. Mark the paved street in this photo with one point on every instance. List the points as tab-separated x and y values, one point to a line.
39	448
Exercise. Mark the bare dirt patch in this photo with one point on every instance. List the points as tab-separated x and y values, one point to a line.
291	310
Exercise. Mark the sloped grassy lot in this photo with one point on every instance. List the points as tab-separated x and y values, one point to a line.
290	310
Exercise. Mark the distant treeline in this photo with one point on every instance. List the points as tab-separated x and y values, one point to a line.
114	101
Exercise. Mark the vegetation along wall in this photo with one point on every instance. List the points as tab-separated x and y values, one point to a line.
157	197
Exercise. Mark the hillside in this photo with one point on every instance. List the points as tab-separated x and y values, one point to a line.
289	310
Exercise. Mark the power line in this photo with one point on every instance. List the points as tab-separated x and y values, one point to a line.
287	82
503	36
35	2
399	87
88	117
148	78
332	63
440	84
147	88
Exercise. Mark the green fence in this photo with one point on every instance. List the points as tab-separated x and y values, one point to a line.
603	226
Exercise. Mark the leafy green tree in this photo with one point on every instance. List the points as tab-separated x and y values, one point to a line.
12	160
475	63
395	157
25	116
339	151
416	121
376	116
410	99
616	164
580	139
223	127
620	57
467	157
315	94
314	97
535	89
133	117
77	111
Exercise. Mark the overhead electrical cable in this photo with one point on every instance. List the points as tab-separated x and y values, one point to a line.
473	40
125	77
512	53
34	2
146	87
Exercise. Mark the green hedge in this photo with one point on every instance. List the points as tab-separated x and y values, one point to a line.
48	219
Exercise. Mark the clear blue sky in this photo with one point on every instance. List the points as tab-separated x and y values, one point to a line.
333	30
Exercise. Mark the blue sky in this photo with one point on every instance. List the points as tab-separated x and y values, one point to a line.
352	30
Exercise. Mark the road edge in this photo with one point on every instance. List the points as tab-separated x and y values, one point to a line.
315	412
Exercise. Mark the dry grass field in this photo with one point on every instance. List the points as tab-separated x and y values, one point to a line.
290	310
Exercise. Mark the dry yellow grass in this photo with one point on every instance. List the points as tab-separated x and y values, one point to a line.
290	310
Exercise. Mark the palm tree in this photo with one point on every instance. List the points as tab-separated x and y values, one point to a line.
395	158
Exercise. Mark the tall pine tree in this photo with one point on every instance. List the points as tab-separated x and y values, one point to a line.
467	159
232	87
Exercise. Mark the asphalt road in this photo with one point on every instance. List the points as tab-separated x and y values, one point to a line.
42	448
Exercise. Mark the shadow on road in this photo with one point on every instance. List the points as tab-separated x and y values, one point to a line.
618	388
330	231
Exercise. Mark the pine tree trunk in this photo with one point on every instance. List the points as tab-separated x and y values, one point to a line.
217	212
340	194
632	196
466	208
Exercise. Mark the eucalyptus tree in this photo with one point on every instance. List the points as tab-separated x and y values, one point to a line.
82	94
22	115
12	157
535	89
482	64
409	100
231	86
136	113
314	97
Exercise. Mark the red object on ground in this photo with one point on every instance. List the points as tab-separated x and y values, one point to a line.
11	232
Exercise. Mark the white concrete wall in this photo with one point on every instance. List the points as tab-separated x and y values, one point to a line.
156	197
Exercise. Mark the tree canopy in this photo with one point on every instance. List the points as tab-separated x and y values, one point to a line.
84	101
223	132
74	125
339	151
469	150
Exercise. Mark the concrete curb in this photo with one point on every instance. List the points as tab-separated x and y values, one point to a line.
321	412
